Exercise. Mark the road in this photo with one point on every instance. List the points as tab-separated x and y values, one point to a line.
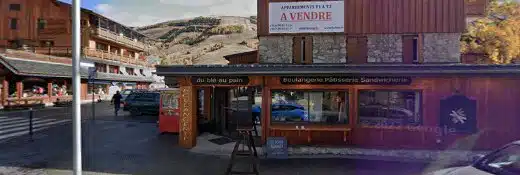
16	123
125	145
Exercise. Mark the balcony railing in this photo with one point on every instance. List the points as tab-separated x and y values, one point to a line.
105	55
121	39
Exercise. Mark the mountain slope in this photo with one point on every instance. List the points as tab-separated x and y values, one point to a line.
201	40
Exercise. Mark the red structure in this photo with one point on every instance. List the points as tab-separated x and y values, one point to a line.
169	111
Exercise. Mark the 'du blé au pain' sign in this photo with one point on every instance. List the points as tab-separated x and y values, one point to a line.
231	80
351	80
306	17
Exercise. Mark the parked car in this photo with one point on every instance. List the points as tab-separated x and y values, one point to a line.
284	112
143	103
504	161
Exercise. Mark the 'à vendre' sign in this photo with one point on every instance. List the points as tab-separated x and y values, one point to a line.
241	80
307	17
347	80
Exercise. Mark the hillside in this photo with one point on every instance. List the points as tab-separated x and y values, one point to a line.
201	40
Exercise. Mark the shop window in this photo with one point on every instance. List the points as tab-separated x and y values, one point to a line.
13	23
302	50
309	107
410	49
101	67
357	51
15	7
389	108
130	71
114	69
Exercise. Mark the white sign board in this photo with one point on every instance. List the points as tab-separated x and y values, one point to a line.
306	17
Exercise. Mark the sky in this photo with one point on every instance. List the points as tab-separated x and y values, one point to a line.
146	12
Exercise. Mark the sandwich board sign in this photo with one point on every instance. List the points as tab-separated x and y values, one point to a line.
277	148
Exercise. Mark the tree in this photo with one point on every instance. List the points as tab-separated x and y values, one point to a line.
497	35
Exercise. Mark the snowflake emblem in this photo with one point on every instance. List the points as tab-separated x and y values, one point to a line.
458	116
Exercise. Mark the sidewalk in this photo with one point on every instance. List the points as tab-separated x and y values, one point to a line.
204	146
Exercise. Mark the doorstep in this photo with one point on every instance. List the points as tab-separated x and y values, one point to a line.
204	146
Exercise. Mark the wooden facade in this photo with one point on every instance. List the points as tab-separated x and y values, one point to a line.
494	98
395	16
243	58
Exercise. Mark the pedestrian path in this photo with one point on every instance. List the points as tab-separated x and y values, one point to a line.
11	127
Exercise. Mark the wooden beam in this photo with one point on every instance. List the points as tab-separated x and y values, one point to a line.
188	120
19	89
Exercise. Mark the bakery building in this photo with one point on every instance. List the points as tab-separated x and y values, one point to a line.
374	74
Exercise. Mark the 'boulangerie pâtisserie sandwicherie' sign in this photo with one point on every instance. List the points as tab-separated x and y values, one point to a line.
347	80
306	17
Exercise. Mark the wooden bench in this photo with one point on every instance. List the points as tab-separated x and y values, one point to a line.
309	130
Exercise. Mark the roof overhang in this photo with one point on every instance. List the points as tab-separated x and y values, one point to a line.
335	69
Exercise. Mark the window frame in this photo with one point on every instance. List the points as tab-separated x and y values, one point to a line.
11	7
348	109
420	112
302	47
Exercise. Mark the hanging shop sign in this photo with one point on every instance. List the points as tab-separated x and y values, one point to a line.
242	80
460	113
361	80
306	17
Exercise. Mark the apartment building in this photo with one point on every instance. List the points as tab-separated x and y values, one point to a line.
35	51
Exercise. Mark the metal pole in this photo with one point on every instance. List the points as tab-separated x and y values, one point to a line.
93	102
31	114
76	85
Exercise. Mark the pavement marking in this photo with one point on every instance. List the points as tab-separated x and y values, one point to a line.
23	123
18	126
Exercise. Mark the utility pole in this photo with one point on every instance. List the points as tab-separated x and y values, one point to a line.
76	87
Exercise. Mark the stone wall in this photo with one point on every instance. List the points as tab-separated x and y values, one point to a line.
275	49
329	49
441	47
385	48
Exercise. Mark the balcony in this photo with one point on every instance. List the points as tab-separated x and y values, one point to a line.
120	39
105	55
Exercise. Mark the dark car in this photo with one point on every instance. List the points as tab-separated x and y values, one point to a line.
504	161
141	103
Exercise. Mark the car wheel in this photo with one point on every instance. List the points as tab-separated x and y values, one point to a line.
135	112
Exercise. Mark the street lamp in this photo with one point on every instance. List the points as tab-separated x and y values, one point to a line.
76	85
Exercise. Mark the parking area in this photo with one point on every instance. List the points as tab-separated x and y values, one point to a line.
130	145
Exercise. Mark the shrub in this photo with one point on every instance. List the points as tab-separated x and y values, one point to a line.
253	19
220	30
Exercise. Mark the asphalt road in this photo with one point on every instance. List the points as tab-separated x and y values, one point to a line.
122	145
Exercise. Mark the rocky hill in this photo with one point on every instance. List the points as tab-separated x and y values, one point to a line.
201	40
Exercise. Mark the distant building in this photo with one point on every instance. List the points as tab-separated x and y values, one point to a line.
35	51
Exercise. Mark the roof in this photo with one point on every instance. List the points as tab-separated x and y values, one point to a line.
328	69
49	69
240	54
97	14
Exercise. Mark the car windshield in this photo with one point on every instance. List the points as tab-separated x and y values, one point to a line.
147	97
505	161
126	92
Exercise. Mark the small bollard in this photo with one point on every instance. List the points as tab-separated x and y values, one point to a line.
31	114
